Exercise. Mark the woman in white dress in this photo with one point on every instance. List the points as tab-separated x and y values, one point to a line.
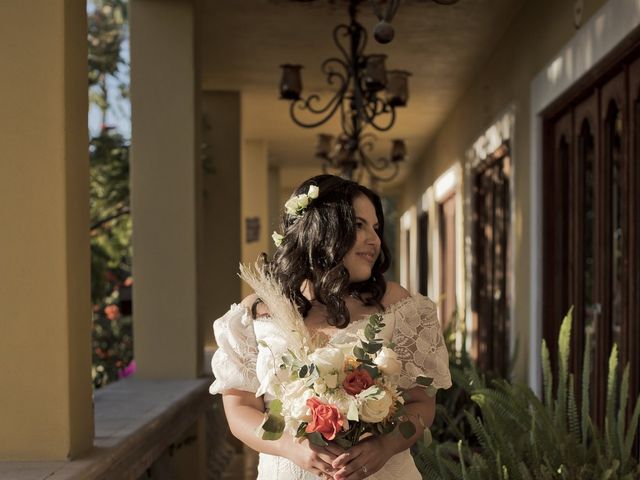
328	271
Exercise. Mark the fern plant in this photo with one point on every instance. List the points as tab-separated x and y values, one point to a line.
521	437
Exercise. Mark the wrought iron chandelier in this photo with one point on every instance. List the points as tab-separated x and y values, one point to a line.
367	94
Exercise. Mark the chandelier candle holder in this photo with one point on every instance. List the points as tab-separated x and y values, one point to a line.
366	95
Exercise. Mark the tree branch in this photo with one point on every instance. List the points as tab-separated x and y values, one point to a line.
122	211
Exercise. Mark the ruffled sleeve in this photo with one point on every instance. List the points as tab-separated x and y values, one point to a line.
234	362
419	342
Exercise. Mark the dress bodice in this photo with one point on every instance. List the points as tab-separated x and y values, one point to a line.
247	346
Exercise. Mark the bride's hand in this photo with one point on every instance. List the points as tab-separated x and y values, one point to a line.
362	460
313	458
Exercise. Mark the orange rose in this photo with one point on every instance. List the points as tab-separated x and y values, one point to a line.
326	419
357	381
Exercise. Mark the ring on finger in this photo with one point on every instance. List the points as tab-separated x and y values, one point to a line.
364	469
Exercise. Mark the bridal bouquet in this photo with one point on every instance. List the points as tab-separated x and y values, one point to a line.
340	393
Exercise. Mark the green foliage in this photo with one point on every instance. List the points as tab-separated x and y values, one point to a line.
107	28
110	227
109	210
519	437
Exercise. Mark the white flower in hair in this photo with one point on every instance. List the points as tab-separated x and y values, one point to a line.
296	206
277	238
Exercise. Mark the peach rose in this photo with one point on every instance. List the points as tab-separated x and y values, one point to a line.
357	381
325	419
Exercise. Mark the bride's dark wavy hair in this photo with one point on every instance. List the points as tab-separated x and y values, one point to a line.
315	244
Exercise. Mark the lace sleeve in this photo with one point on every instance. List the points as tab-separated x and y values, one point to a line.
419	343
234	362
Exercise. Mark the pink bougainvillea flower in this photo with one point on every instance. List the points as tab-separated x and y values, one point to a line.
128	370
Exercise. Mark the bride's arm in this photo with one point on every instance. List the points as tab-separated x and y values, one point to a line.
245	413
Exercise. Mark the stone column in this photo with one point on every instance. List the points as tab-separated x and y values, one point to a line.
45	345
165	172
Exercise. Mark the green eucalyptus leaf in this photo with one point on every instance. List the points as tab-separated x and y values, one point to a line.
302	430
427	438
275	407
373	347
359	353
274	423
424	381
407	429
271	435
342	442
316	439
373	371
369	332
388	427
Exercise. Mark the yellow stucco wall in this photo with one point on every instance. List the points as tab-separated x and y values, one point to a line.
255	201
45	406
538	31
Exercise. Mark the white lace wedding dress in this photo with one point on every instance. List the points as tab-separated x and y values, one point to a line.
242	359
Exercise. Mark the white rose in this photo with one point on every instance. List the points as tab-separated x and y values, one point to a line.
292	206
319	387
295	389
331	379
387	361
277	239
294	402
343	401
327	360
313	192
375	408
303	201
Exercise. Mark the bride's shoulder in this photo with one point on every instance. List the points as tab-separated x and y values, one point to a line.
256	306
395	293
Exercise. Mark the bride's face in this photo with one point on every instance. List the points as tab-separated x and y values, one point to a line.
360	259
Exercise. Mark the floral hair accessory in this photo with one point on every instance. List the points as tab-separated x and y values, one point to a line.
277	238
295	207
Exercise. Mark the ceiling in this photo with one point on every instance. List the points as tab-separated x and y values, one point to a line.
243	42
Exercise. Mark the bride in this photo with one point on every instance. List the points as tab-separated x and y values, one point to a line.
328	269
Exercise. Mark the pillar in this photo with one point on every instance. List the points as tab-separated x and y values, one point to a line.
165	193
45	346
